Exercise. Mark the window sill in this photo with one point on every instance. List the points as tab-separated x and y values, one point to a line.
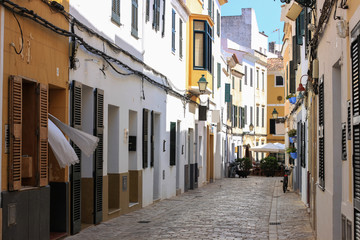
115	22
135	35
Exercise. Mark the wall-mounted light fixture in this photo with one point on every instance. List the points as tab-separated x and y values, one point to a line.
202	84
275	114
164	145
251	127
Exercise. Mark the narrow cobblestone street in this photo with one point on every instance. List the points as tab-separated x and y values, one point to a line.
251	208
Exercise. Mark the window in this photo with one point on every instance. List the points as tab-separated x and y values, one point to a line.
235	116
218	75
257	116
251	115
272	126
180	38
202	45
218	23
245	113
172	143
245	75
163	18
279	82
211	8
262	117
115	13
147	17
233	82
134	18
263	81
251	77
173	31
257	78
240	87
156	15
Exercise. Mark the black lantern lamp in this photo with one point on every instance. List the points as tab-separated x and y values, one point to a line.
275	114
202	84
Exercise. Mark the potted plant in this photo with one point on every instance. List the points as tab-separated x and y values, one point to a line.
292	135
269	165
245	165
292	152
292	98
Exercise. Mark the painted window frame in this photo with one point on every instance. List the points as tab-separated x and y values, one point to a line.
207	38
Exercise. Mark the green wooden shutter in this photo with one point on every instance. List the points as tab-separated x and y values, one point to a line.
154	14
145	138
300	27
173	31
218	75
147	17
134	18
245	114
98	157
242	118
292	77
163	19
180	38
15	122
152	149
294	54
227	92
115	13
218	23
157	27
75	170
172	143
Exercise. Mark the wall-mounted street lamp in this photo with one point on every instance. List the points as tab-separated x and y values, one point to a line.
251	127
202	84
275	114
301	88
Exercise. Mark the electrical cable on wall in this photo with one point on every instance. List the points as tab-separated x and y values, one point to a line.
38	19
22	38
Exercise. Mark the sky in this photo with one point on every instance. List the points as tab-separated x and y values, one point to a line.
267	15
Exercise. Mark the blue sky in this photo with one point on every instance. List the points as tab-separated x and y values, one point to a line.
267	14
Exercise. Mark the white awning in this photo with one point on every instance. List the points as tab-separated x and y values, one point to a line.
269	147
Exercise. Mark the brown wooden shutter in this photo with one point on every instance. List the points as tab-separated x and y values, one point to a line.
75	170
98	158
15	122
43	134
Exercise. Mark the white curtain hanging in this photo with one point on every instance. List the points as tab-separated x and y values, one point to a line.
62	150
86	142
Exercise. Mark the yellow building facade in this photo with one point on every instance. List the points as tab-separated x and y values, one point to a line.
275	100
35	83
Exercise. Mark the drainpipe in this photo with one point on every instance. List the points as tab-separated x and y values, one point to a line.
2	14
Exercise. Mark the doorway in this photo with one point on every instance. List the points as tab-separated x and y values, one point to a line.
155	118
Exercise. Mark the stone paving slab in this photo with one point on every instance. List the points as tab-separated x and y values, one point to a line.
230	208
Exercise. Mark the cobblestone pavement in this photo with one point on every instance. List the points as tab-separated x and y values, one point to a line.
232	208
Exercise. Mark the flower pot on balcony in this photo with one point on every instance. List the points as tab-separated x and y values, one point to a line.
292	100
293	155
292	139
